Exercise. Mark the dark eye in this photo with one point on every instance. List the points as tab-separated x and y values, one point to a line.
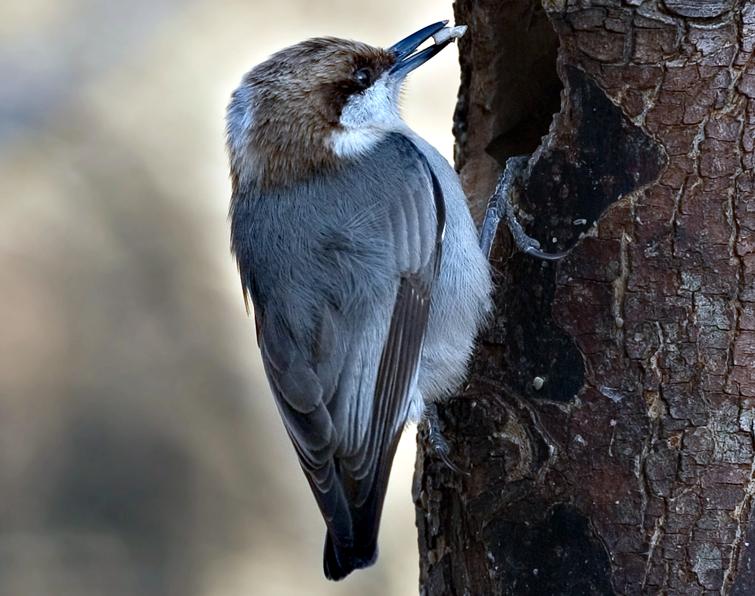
363	77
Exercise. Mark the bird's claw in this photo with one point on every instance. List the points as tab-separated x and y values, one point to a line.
438	441
441	449
500	206
534	251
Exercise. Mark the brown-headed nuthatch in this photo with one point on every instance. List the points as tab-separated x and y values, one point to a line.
357	249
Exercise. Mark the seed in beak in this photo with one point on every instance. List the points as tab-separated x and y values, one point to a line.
449	33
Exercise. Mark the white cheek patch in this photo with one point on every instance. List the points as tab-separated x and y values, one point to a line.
366	118
353	142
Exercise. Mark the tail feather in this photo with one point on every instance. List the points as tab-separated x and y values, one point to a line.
358	549
339	561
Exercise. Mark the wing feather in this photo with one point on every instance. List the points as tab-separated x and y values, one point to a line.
344	386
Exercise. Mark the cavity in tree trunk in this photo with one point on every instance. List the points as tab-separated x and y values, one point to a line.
630	469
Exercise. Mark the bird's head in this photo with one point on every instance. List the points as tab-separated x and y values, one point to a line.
319	102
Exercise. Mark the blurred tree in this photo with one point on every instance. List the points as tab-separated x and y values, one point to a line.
627	466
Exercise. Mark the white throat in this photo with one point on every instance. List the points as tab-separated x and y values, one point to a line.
367	118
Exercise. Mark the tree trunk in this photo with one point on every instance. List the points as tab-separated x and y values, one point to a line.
608	422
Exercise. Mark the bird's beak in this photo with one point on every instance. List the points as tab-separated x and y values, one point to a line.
404	51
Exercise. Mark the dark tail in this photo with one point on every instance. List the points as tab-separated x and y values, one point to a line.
339	561
358	549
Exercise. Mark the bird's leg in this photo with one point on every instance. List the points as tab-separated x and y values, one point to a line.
437	440
500	206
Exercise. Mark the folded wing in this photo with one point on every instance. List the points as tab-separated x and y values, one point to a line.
344	388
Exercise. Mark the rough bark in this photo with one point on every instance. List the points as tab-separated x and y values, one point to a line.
631	469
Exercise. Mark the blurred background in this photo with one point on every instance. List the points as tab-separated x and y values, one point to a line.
140	450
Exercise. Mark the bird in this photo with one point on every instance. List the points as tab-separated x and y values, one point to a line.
360	259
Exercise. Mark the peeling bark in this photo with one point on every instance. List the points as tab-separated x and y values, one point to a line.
631	469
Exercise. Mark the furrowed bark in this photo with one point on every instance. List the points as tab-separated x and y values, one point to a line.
630	470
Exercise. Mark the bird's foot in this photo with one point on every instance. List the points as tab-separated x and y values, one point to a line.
500	206
438	441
